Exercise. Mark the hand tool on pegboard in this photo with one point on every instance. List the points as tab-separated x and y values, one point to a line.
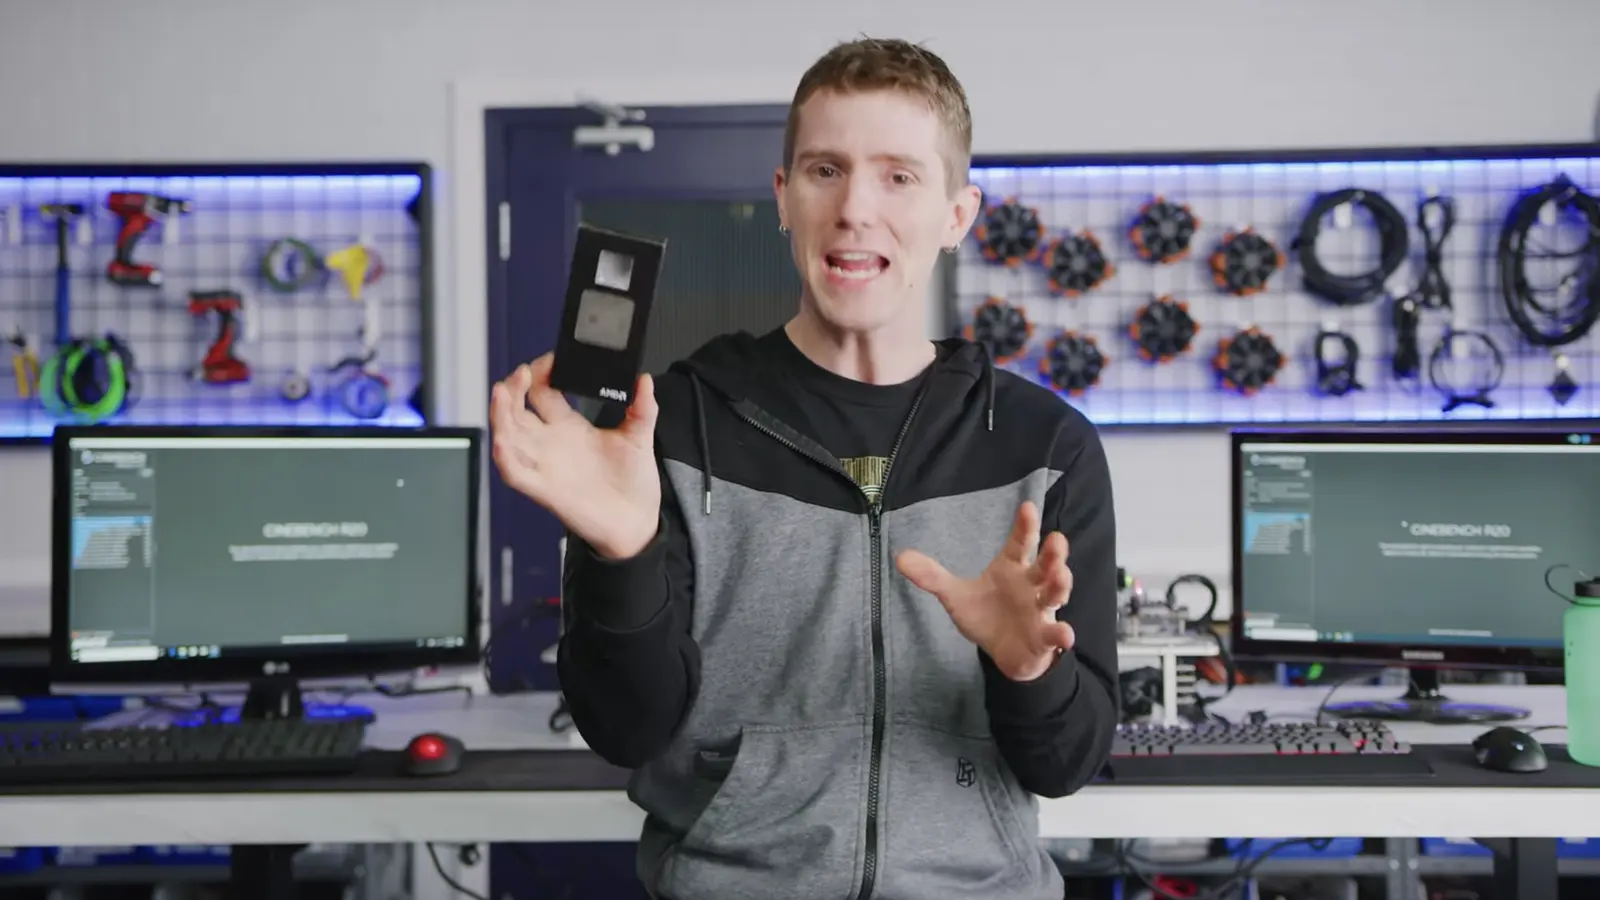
358	265
221	363
24	364
138	211
87	378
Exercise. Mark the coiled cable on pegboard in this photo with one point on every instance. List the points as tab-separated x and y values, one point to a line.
1436	218
1577	305
1406	316
1468	391
1393	239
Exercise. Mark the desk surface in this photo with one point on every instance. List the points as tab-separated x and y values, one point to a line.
499	796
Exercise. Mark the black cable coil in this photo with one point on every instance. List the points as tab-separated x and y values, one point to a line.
1569	321
1456	396
1336	374
1352	290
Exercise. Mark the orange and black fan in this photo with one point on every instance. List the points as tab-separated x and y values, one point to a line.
1248	361
1244	262
1074	264
1072	363
1009	234
1162	329
1162	231
1001	327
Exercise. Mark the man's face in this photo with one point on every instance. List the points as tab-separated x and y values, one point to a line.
868	205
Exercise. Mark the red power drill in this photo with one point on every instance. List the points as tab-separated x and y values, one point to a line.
220	365
138	211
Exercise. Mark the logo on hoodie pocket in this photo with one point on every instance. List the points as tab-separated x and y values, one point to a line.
966	772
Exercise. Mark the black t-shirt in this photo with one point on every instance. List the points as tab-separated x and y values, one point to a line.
855	421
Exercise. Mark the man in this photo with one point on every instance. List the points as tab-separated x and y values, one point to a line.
807	599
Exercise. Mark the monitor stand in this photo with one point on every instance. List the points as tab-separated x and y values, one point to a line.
1424	702
281	698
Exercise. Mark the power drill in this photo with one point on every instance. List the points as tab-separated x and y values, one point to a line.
220	365
138	211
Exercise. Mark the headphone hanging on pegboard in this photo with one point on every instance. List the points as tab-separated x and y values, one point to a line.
1244	262
1162	329
1336	373
1248	361
1072	363
1009	234
1001	327
1162	231
1074	264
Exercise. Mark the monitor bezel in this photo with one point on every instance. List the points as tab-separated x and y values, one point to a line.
311	661
1414	656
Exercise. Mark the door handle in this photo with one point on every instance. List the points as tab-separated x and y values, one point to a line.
507	570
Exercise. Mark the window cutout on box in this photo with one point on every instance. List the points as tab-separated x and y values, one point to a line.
604	320
615	270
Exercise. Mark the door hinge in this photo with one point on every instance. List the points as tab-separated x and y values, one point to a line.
507	570
505	231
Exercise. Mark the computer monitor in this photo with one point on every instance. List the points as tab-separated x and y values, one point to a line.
265	555
1425	549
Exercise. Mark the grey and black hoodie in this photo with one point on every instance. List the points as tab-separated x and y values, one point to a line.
803	722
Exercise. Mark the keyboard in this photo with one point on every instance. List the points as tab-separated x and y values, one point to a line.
40	754
1338	738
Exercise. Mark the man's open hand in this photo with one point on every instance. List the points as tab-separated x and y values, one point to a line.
601	483
1009	610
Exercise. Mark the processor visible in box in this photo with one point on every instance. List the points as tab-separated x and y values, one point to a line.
610	288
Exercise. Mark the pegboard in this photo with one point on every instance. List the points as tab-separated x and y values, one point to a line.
312	266
1269	195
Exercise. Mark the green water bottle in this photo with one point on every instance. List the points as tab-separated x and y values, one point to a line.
1580	629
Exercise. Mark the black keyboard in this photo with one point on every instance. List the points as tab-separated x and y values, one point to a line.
73	753
1338	738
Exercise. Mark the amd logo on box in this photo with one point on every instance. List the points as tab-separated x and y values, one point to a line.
610	288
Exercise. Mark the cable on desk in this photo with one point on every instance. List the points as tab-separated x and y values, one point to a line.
1134	865
1393	238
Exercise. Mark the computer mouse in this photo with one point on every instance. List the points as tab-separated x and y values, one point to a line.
431	753
1505	749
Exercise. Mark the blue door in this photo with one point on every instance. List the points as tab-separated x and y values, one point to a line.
705	186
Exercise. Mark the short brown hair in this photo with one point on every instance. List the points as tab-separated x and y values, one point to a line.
871	64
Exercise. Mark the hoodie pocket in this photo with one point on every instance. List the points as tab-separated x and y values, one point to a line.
783	817
951	824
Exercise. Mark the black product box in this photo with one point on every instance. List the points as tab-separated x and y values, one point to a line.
610	289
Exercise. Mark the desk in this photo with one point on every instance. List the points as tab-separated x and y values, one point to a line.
568	795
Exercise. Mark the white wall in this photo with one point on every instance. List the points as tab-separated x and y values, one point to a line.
91	80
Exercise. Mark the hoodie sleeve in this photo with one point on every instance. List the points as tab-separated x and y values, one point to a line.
628	665
1055	731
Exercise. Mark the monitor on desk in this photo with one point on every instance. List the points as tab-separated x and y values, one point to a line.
262	555
1427	550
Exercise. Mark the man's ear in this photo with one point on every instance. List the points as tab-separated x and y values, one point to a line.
778	182
964	209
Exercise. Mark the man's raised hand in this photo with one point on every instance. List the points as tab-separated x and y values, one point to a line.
1009	609
601	483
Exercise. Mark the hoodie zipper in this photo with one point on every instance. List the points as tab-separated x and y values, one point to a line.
880	671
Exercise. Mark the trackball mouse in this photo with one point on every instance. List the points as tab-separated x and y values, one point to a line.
1505	749
432	753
